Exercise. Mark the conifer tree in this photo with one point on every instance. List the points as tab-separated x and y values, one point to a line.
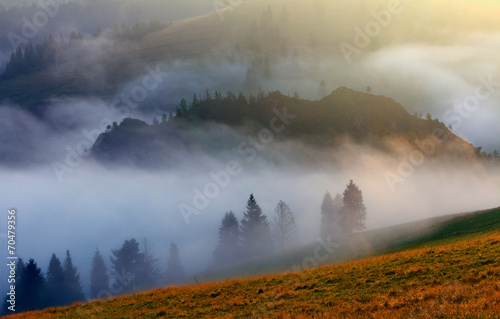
353	212
99	280
255	230
147	275
228	249
72	278
125	265
284	227
330	218
56	283
175	271
32	289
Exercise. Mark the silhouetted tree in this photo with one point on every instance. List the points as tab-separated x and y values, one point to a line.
175	271
353	212
72	279
56	283
251	81
195	100
242	99
322	88
183	107
99	280
126	263
147	275
32	289
330	218
228	249
284	228
255	230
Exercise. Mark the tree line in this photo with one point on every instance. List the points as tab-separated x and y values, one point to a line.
133	269
52	52
255	235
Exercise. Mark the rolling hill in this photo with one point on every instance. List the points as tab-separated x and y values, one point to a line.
451	271
215	125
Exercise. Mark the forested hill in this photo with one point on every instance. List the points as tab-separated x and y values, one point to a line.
215	123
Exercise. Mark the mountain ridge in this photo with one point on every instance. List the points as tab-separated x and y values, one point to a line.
344	115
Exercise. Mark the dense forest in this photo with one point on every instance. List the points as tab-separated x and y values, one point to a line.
54	52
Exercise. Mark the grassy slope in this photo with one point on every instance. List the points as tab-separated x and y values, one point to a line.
458	279
438	230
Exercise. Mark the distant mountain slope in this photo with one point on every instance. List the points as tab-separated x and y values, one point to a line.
222	123
245	32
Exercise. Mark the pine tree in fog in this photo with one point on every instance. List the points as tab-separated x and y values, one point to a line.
125	265
99	280
330	218
175	271
255	230
31	292
228	249
353	212
284	227
56	283
72	278
147	275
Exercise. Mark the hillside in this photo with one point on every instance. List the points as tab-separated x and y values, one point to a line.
244	34
423	233
221	124
458	279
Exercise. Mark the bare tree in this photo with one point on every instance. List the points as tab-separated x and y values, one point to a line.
285	233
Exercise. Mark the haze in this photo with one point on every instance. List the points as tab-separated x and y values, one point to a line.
430	58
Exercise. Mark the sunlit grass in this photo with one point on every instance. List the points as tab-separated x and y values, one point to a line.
458	280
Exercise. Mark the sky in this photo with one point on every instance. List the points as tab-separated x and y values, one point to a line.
97	206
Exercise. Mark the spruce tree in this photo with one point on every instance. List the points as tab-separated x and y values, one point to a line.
228	249
99	280
284	227
32	288
255	230
175	271
330	218
72	278
125	265
353	212
147	273
56	283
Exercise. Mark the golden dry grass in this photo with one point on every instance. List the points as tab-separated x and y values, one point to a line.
460	280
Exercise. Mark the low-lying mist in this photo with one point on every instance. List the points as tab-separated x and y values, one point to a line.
99	207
